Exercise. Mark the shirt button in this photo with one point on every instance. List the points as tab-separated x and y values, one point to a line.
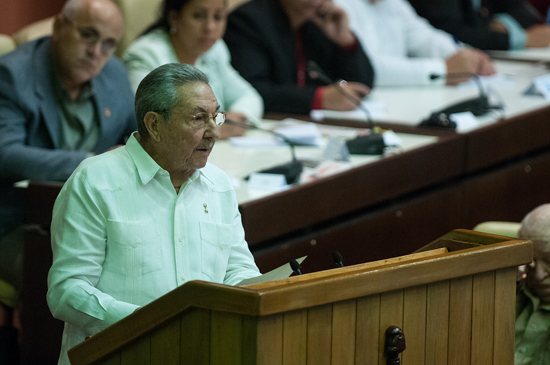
522	350
134	244
179	239
533	326
182	278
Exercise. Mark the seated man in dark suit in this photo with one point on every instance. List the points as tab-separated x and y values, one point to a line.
533	299
62	98
271	42
487	24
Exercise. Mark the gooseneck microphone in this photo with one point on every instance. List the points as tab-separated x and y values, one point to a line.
370	144
337	258
295	267
292	169
315	72
478	106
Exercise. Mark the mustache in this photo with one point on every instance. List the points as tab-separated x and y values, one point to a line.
206	145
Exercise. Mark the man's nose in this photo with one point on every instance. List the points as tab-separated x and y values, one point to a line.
210	25
212	130
94	49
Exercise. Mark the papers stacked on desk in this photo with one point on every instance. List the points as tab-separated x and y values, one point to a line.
302	134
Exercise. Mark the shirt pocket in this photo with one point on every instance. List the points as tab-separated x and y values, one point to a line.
133	248
216	241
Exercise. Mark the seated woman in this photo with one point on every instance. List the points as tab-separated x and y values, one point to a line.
190	31
272	42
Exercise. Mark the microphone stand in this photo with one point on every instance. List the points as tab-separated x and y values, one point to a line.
292	170
370	144
478	106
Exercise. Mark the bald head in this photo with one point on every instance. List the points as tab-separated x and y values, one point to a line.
85	36
536	225
107	8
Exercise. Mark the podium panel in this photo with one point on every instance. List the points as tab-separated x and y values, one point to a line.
454	305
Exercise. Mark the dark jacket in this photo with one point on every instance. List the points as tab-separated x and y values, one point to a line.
29	123
262	48
459	18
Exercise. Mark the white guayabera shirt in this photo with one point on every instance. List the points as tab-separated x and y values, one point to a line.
121	238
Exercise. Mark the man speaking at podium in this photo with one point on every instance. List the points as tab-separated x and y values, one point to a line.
134	223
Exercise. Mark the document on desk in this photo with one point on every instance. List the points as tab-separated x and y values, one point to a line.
300	134
376	109
281	272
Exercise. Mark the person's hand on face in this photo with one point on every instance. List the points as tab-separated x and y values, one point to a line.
333	21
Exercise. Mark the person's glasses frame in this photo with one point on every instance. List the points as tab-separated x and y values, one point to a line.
90	36
200	120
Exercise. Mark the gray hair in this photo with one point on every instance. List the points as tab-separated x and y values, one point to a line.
158	91
536	224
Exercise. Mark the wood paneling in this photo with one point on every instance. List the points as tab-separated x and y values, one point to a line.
505	299
226	338
437	323
195	336
343	332
414	325
483	311
367	329
319	335
295	337
166	343
270	340
137	353
460	321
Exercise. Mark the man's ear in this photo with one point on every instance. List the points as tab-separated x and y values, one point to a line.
172	16
57	24
152	121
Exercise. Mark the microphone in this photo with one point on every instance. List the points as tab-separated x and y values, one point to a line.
370	144
478	106
295	267
291	170
337	259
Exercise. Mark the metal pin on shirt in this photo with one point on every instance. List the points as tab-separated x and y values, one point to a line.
205	207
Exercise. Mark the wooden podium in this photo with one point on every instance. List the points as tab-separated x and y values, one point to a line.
454	301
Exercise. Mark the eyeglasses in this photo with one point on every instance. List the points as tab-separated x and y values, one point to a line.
90	36
200	120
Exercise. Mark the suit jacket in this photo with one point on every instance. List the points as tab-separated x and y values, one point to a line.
459	18
29	146
263	50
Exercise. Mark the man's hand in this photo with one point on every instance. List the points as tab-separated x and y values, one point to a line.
468	60
538	36
228	130
333	21
333	99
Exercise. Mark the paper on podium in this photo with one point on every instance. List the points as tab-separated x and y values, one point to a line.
281	272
